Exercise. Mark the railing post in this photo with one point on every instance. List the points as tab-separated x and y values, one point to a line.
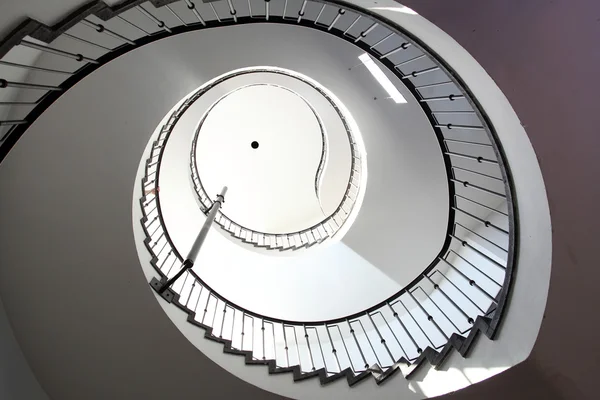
161	286
210	217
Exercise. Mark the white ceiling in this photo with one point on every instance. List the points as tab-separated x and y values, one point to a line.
271	188
332	181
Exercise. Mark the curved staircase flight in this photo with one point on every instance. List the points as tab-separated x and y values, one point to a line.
462	293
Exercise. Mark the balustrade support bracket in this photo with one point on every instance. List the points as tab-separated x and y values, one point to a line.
166	294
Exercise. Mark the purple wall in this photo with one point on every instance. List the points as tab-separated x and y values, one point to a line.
545	56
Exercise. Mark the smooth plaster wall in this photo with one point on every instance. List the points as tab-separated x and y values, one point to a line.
17	381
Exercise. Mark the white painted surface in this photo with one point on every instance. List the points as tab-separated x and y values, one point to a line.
220	162
407	188
271	188
336	173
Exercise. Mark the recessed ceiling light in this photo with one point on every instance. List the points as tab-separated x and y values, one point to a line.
383	80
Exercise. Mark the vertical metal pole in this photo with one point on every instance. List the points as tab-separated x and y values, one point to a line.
193	253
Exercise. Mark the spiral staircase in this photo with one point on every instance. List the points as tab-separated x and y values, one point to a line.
417	333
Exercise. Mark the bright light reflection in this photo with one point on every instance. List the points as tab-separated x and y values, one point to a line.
402	9
382	78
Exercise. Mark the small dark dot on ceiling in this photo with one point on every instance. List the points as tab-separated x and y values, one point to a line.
254	145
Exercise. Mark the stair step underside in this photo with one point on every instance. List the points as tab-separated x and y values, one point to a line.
434	357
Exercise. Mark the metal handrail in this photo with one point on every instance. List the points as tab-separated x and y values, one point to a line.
462	292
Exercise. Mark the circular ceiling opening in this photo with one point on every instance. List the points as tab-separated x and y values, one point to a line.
312	175
279	116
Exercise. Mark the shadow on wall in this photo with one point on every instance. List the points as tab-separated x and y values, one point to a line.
16	378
